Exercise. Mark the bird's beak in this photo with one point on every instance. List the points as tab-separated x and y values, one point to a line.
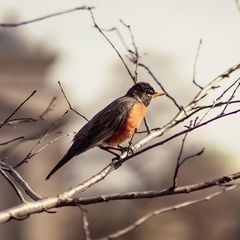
157	94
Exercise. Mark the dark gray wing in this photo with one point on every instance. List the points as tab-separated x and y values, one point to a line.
98	129
103	124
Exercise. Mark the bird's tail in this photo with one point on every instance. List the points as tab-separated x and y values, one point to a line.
69	155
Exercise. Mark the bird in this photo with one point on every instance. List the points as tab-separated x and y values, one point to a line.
113	125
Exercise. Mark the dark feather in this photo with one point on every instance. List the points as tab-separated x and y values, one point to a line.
98	129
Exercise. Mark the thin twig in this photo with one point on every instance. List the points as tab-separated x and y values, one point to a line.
195	64
53	141
192	156
15	121
160	85
135	53
14	112
31	154
178	164
148	128
69	104
200	108
115	49
45	17
13	140
225	91
229	100
119	36
185	112
48	109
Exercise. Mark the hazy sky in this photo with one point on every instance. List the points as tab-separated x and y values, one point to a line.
172	28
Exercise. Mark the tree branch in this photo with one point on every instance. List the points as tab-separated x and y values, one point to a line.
45	17
69	104
31	153
164	210
15	188
112	45
14	112
20	181
195	64
65	199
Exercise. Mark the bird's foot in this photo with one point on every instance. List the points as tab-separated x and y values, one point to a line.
127	149
115	160
116	163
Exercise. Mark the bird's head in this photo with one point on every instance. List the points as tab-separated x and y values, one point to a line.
143	92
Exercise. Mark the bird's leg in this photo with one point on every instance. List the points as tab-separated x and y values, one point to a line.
114	160
122	149
109	150
129	149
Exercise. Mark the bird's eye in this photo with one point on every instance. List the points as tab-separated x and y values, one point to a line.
148	91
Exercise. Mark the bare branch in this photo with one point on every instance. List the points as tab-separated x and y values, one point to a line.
31	153
134	58
213	83
85	223
217	101
45	17
69	104
181	115
195	64
231	97
13	140
15	188
53	141
192	156
178	164
20	181
161	86
48	109
164	210
147	125
134	54
158	193
153	135
15	121
17	109
112	45
65	199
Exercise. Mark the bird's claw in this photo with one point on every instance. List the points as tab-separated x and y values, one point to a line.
116	163
127	149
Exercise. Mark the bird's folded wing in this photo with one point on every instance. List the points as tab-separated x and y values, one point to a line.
102	126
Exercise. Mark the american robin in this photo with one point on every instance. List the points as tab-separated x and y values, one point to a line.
116	123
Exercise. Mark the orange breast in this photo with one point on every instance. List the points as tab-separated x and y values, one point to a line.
131	123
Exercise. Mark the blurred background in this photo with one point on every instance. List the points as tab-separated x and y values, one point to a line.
69	49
